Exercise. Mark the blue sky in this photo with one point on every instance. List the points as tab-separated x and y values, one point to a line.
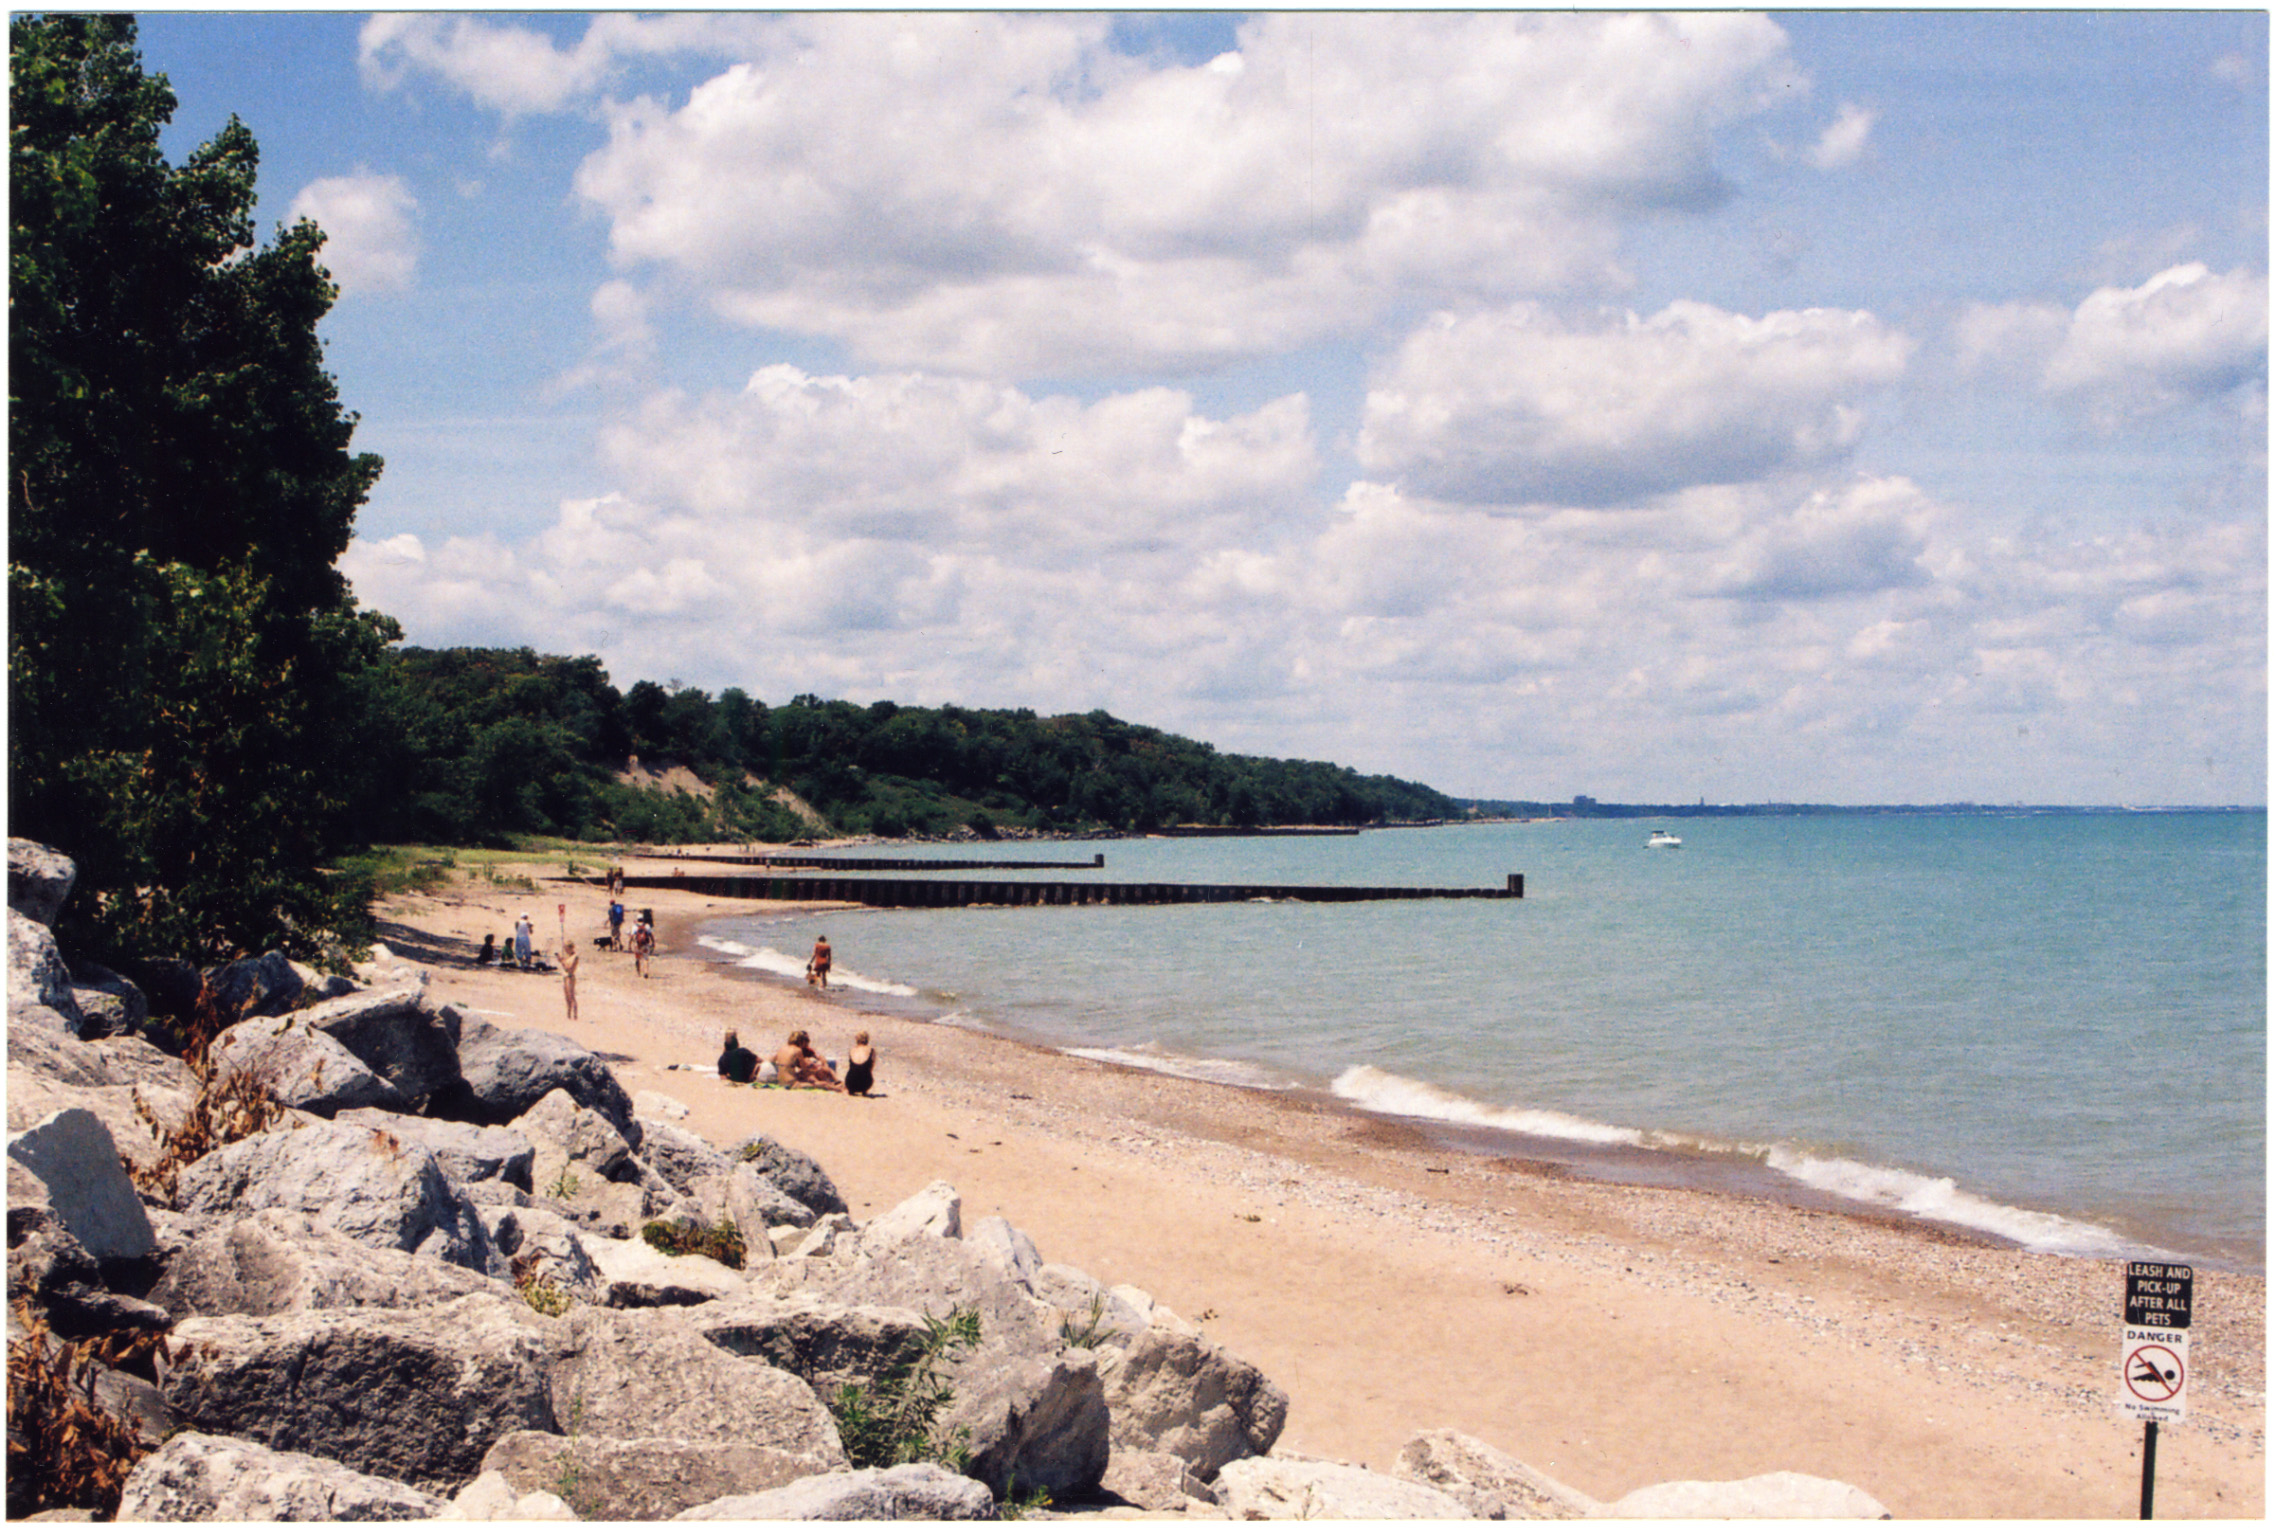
1799	406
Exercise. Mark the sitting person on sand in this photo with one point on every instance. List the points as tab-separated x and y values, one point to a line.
861	1064
799	1065
738	1063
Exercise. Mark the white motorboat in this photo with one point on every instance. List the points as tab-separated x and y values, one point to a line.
1662	839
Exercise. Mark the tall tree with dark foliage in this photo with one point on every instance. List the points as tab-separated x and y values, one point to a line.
187	669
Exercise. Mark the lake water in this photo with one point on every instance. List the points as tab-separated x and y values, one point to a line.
2050	1027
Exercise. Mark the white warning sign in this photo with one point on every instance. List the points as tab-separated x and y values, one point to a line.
2153	1373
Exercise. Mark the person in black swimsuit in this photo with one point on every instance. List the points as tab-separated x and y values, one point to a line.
738	1063
861	1064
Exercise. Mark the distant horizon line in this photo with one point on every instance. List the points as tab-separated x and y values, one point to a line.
1585	806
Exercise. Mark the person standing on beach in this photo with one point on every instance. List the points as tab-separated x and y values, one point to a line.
643	945
616	924
818	965
569	975
524	936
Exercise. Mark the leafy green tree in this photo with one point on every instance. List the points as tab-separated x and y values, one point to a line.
185	661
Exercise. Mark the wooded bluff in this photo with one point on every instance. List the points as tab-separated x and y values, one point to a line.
484	743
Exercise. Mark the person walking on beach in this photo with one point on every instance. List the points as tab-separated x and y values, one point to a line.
616	924
569	975
643	945
861	1064
818	965
524	936
738	1063
799	1065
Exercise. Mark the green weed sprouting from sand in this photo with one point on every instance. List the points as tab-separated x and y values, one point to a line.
893	1419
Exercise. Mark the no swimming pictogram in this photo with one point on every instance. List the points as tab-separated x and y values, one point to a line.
2154	1373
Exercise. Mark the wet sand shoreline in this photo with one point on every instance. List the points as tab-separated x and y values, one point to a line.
1610	1334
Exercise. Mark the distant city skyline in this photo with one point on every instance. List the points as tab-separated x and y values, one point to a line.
1812	407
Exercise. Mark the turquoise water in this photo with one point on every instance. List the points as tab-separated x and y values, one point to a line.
2050	1027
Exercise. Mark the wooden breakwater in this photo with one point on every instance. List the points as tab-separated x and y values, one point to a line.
893	892
862	863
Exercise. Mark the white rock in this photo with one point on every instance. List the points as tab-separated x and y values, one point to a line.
1781	1494
1264	1487
638	1275
933	1211
490	1498
71	1152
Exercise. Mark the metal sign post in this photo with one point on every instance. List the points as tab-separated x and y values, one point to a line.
2153	1356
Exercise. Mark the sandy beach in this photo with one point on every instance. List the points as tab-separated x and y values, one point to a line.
1610	1335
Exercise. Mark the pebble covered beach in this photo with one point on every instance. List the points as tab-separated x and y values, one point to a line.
1611	1335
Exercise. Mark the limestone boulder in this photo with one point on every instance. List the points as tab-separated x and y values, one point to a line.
133	1061
633	1275
373	1185
792	1172
491	1498
72	1156
1262	1487
1034	1421
1154	1482
742	1197
49	1051
543	1246
199	1478
263	985
399	1034
278	1260
922	1492
1491	1482
934	1213
32	1097
52	1274
1034	1408
302	1067
467	1154
650	1374
505	1072
825	1345
108	1003
38	980
679	1155
645	1480
415	1395
1171	1389
1780	1494
39	879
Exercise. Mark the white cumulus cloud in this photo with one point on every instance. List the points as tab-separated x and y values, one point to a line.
1006	194
1843	141
2186	334
1524	407
371	243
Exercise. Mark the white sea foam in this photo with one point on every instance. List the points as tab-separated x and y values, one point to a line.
779	963
1200	1069
1924	1196
1941	1199
1387	1093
